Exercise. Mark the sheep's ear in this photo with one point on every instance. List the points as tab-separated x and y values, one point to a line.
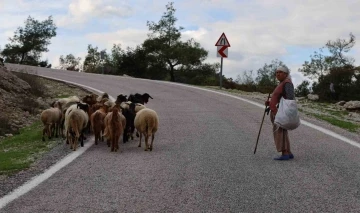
150	97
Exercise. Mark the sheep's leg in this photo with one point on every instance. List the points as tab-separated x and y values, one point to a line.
70	141
67	137
140	140
62	128
96	137
102	133
146	141
117	137
124	137
56	130
152	140
82	138
75	142
49	131
112	144
44	132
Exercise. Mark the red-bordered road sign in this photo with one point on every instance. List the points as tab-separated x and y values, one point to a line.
223	41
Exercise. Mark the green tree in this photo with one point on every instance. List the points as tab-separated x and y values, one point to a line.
69	62
337	49
266	78
164	43
246	79
303	89
321	64
92	62
318	65
30	41
115	59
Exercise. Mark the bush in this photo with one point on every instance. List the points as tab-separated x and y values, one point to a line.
303	89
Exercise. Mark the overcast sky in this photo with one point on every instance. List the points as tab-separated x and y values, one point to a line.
258	30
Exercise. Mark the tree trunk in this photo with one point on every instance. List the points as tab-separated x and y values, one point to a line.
172	76
22	58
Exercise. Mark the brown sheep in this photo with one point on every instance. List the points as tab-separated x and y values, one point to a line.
51	118
147	122
97	122
114	127
90	99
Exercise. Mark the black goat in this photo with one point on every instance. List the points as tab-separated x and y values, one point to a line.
129	114
121	98
138	98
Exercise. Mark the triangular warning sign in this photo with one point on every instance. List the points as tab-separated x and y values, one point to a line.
223	41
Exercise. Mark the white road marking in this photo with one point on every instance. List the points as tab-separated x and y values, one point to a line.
35	181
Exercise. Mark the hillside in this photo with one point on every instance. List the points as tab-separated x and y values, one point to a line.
24	96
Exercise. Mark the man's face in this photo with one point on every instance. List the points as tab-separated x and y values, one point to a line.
280	75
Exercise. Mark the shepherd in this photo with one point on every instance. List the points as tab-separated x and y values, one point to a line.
284	89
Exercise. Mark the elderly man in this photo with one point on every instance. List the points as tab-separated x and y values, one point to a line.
285	89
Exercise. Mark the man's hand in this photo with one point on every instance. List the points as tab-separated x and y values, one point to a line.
267	110
267	103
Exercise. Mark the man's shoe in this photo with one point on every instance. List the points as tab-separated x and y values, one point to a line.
282	157
291	156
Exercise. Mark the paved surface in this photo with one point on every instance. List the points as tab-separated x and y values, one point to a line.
202	161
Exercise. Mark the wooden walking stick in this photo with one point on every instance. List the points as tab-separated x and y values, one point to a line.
257	140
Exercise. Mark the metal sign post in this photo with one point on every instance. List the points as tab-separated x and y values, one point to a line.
222	51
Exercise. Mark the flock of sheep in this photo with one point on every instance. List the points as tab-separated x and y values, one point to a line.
73	117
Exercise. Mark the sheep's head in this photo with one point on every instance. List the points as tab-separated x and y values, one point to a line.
146	97
137	98
121	98
52	104
104	100
83	106
104	95
90	99
57	104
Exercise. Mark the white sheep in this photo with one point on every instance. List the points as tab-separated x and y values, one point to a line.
76	122
64	101
147	122
138	106
83	106
66	121
51	118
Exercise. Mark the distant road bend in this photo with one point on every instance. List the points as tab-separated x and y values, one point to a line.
202	161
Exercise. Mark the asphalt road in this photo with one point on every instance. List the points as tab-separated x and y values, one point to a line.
202	161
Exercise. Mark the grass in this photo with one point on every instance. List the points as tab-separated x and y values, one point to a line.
20	151
339	123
